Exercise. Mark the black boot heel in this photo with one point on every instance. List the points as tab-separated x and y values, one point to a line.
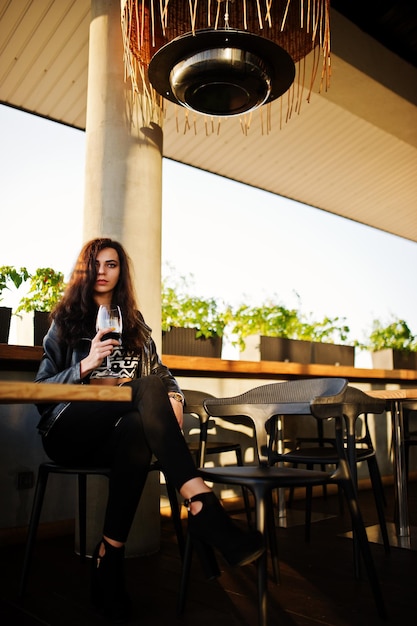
207	558
108	590
214	527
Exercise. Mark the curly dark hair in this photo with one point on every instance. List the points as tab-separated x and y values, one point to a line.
76	312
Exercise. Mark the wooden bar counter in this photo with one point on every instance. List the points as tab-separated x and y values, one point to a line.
26	358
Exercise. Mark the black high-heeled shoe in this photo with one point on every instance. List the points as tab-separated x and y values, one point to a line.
108	586
212	526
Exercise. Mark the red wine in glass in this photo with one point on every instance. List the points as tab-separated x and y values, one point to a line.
109	317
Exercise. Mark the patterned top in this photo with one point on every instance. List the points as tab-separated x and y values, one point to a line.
122	365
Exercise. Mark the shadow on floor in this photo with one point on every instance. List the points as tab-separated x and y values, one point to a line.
317	585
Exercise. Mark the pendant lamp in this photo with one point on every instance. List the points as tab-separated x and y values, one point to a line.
223	58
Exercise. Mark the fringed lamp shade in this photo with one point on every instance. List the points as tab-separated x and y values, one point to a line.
224	57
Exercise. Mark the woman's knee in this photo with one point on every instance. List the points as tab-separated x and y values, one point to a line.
152	384
130	440
149	389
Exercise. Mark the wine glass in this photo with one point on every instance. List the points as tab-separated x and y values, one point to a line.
109	317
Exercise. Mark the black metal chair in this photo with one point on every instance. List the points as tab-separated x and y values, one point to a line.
323	398
324	453
82	472
194	405
203	447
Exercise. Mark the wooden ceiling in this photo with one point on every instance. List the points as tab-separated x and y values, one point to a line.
352	151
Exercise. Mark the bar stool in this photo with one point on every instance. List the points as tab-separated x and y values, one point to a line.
82	472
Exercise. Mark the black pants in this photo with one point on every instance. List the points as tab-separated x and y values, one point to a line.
123	436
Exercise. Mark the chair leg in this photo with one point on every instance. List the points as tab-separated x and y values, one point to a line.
262	589
359	530
272	539
208	562
379	500
245	494
176	516
309	505
82	514
290	498
291	491
407	459
381	486
33	527
175	508
261	506
185	575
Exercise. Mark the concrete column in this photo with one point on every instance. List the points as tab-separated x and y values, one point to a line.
123	192
123	200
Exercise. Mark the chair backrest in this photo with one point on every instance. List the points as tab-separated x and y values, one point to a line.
354	402
194	404
286	398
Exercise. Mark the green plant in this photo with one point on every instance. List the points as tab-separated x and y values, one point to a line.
327	330
180	309
276	320
394	334
11	275
269	320
46	289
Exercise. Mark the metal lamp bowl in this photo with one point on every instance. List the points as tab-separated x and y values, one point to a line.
221	72
221	81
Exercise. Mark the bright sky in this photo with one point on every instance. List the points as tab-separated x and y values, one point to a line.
238	243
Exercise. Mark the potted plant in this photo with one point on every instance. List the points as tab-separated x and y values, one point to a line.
9	276
46	289
328	339
392	344
269	332
273	332
191	325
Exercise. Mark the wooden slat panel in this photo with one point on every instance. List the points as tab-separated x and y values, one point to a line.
46	67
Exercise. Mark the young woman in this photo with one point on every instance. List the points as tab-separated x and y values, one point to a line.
123	435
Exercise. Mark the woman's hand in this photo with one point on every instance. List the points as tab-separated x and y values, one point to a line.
99	350
178	410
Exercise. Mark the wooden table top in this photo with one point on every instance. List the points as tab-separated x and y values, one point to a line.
21	392
393	394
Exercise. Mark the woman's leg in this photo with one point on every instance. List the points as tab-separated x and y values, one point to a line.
124	436
162	431
208	521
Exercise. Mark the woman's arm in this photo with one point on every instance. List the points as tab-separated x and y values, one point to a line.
159	369
59	363
64	364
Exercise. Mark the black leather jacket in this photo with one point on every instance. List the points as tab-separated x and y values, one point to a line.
61	364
